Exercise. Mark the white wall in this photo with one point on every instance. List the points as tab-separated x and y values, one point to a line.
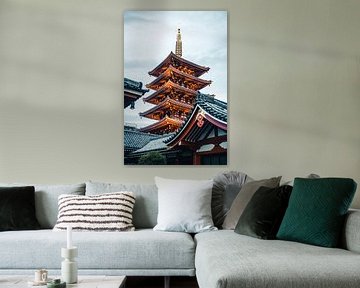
294	89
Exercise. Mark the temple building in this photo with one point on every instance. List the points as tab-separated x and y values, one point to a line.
200	140
132	91
176	85
204	134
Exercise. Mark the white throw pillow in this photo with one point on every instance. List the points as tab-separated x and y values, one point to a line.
184	205
104	212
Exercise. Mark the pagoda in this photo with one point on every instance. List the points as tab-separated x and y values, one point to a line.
176	86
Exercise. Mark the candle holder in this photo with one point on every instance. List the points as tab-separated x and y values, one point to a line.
69	271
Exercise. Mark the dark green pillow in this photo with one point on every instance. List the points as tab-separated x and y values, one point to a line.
17	208
316	211
264	212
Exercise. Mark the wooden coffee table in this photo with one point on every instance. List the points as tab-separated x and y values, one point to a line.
84	281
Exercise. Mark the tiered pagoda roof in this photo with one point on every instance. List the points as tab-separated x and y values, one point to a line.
167	107
176	84
165	125
182	64
179	77
173	91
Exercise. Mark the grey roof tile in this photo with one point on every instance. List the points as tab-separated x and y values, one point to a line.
213	106
155	144
134	139
134	85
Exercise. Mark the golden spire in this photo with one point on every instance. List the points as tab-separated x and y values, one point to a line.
178	47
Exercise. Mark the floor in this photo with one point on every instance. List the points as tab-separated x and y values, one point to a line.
158	282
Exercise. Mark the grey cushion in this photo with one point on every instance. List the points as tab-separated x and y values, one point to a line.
146	204
225	189
184	205
310	176
46	200
243	198
144	249
225	259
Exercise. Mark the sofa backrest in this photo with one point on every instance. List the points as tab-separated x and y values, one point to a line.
46	200
146	203
351	236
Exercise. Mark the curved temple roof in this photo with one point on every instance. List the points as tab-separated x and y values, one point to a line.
162	123
164	106
168	86
132	91
168	74
198	70
134	86
215	111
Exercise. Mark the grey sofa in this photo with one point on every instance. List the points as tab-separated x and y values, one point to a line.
142	252
226	259
218	259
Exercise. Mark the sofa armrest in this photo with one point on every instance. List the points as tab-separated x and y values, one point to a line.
351	234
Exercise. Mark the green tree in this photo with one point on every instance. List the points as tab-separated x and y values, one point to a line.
152	158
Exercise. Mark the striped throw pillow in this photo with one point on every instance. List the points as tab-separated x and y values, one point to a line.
105	212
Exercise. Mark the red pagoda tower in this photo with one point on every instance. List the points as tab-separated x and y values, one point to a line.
176	85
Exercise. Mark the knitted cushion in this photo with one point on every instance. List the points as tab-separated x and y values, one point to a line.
105	212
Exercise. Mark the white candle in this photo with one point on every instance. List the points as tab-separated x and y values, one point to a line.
69	237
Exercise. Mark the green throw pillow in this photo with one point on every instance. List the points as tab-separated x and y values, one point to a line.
316	211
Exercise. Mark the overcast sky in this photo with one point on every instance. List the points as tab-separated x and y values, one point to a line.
149	36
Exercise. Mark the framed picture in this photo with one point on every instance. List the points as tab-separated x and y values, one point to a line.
175	88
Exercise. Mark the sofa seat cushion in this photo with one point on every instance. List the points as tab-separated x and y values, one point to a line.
142	249
226	259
